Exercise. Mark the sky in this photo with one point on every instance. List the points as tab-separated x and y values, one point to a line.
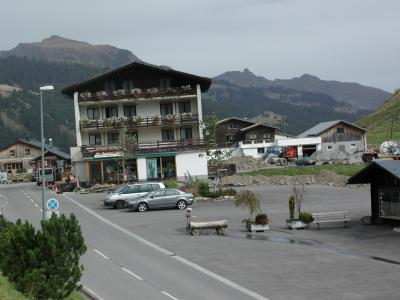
345	40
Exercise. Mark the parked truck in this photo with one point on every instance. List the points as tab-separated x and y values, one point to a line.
388	149
49	176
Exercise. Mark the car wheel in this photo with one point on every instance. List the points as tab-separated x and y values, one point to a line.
142	207
181	204
119	204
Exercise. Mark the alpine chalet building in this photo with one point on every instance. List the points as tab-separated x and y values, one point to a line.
145	115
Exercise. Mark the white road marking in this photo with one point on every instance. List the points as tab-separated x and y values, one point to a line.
101	254
133	274
41	210
168	295
31	200
36	205
169	253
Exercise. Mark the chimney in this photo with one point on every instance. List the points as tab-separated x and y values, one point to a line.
51	142
27	137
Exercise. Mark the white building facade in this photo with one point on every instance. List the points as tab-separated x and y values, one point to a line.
141	121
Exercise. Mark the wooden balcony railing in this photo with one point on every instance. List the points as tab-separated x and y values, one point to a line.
136	122
145	147
136	93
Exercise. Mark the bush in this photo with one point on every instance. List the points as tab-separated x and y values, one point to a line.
306	217
170	184
262	219
230	192
43	264
203	189
247	199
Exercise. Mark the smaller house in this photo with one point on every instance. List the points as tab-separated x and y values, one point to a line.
54	158
384	177
338	137
20	156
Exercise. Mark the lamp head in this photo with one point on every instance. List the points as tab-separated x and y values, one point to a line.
47	88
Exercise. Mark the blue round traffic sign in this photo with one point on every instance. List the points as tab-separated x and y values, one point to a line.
52	204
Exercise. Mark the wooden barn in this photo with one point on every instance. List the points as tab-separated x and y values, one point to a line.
384	177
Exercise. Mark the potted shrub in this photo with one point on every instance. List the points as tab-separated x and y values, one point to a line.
260	224
247	199
295	202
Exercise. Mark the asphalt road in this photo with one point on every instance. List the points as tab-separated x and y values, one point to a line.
120	264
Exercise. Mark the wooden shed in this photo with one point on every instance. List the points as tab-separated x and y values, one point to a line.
384	177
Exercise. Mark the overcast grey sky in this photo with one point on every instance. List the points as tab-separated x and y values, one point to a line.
346	40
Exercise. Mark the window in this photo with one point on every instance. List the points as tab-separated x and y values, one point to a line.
340	130
165	83
230	126
127	85
353	146
266	135
93	113
166	109
154	187
235	126
329	148
260	150
27	151
111	111
159	194
252	136
171	193
167	134
186	133
389	203
12	152
144	188
112	138
131	189
94	139
129	111
341	148
184	107
229	138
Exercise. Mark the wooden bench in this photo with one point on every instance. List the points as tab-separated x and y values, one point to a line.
194	227
330	217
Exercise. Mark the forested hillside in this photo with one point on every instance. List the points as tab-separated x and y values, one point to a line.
384	124
20	112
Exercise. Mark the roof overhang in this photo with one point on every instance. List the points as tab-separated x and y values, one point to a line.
164	71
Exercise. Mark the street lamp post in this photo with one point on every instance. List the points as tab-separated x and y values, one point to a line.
43	88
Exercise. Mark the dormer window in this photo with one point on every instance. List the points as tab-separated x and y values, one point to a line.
12	152
340	130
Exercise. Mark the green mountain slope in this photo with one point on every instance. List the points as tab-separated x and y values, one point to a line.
385	120
20	111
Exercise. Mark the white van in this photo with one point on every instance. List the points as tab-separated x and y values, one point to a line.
119	197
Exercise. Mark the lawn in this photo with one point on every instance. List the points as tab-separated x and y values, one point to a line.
7	292
347	170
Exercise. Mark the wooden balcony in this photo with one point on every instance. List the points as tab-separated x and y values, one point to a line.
137	122
137	93
145	147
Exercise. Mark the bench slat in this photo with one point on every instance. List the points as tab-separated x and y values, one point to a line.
327	221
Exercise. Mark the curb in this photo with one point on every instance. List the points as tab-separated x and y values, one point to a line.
89	294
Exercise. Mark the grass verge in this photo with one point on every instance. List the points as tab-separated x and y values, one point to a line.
346	170
8	292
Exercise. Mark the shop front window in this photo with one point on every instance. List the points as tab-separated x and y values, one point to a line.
153	168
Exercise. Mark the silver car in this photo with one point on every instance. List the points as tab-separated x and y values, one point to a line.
164	198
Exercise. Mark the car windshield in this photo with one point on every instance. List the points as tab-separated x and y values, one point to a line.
120	189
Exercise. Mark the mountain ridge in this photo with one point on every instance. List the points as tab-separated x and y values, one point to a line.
59	49
360	97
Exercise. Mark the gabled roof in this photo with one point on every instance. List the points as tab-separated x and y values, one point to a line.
37	144
56	153
368	173
257	125
234	119
166	71
321	127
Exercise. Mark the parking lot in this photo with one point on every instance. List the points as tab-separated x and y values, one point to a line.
359	262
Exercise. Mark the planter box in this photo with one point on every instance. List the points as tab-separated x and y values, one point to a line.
296	224
256	227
